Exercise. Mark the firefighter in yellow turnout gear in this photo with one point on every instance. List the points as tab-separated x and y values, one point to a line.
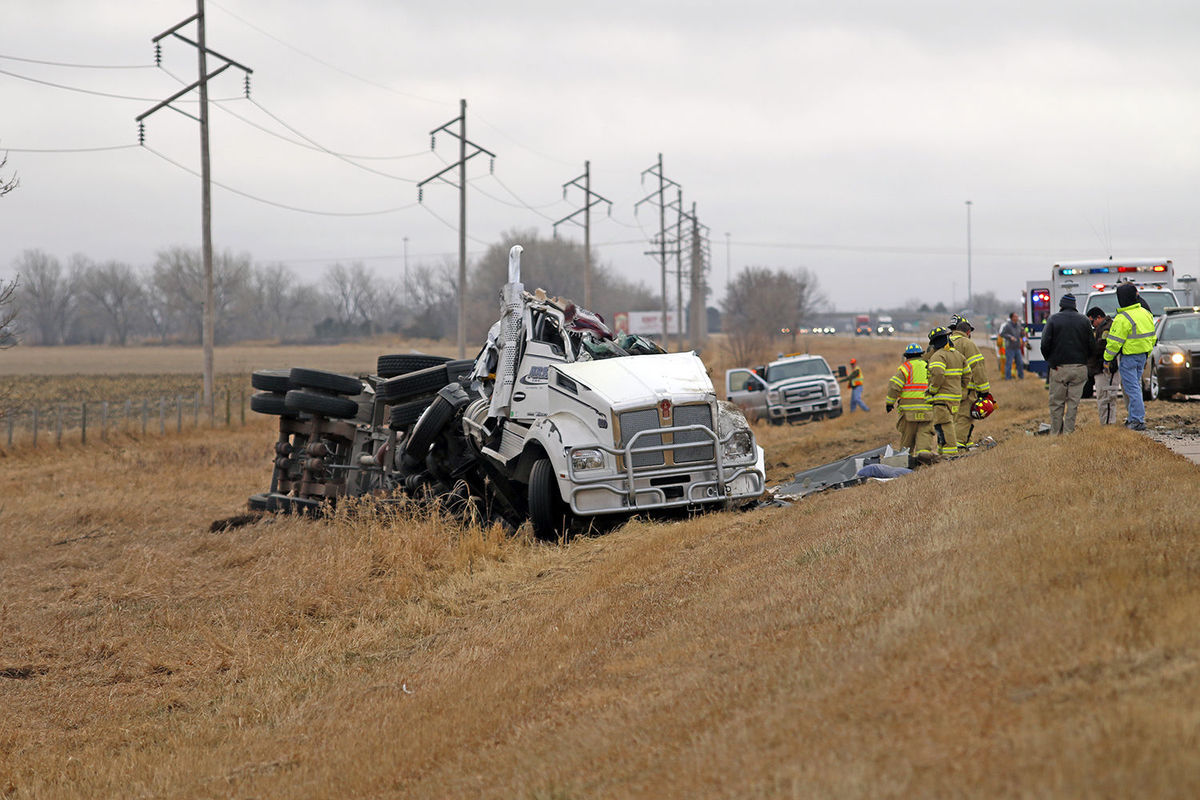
976	384
947	377
908	393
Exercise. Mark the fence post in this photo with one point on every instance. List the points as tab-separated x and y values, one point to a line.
104	420
125	416
145	403
58	426
195	409
179	413
228	410
162	416
83	425
242	405
35	425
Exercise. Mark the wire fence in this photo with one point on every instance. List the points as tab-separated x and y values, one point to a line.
96	420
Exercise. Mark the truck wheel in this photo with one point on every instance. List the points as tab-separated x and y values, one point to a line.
271	380
406	414
431	424
269	403
547	511
413	385
320	404
392	365
1155	391
325	381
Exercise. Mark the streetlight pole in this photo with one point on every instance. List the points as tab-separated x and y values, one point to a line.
969	295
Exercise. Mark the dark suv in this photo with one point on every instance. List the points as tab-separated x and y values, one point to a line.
1175	361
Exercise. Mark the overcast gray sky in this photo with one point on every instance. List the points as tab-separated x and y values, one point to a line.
843	137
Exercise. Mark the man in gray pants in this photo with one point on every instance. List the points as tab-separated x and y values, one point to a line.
1108	384
1066	344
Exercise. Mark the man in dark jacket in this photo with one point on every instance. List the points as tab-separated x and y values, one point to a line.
1108	385
1067	342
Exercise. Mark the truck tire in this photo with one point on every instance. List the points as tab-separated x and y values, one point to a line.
271	380
406	414
392	365
324	381
320	404
413	385
548	513
431	423
269	403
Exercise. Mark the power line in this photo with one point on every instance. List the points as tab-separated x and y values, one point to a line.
68	149
76	88
323	62
249	196
80	66
534	209
449	224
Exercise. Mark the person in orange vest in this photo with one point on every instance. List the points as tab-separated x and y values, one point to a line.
907	392
855	381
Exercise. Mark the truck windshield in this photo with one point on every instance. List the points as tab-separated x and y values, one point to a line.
1158	300
797	369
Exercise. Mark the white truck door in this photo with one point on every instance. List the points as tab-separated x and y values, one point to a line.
746	390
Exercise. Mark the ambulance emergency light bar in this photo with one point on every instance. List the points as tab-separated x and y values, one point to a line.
1106	270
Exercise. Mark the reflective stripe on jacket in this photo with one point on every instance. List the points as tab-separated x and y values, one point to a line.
978	381
908	388
855	377
946	368
1132	332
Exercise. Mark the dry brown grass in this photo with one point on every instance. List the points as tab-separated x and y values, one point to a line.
1012	623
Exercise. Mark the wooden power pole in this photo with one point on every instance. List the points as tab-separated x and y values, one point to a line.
590	199
208	327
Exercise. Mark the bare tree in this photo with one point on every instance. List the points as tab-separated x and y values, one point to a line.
350	292
47	295
8	315
114	291
179	278
762	302
7	186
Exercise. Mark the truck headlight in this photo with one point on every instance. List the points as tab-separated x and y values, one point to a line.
734	431
1176	358
587	459
773	396
739	446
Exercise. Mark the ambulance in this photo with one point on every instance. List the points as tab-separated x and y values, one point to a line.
1084	279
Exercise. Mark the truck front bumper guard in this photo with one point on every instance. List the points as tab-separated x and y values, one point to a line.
629	496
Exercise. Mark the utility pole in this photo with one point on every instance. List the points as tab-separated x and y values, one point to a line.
969	295
588	202
406	289
461	166
658	197
208	324
698	323
728	261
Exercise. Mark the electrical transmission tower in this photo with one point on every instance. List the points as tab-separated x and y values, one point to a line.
658	198
202	51
588	202
701	255
461	166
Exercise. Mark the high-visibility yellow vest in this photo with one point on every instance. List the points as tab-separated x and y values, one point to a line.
1132	332
856	378
916	385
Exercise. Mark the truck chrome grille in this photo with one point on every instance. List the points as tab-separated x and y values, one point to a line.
798	394
634	422
693	415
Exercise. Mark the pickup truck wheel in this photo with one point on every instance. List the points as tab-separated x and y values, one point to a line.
271	380
547	511
325	381
1155	388
392	365
320	404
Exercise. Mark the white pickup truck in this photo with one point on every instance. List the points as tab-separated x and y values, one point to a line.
792	388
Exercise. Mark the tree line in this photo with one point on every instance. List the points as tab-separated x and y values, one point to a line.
81	301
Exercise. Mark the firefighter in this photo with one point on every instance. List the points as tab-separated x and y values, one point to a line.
947	369
907	391
976	385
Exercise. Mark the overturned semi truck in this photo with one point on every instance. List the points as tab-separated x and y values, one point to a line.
556	420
